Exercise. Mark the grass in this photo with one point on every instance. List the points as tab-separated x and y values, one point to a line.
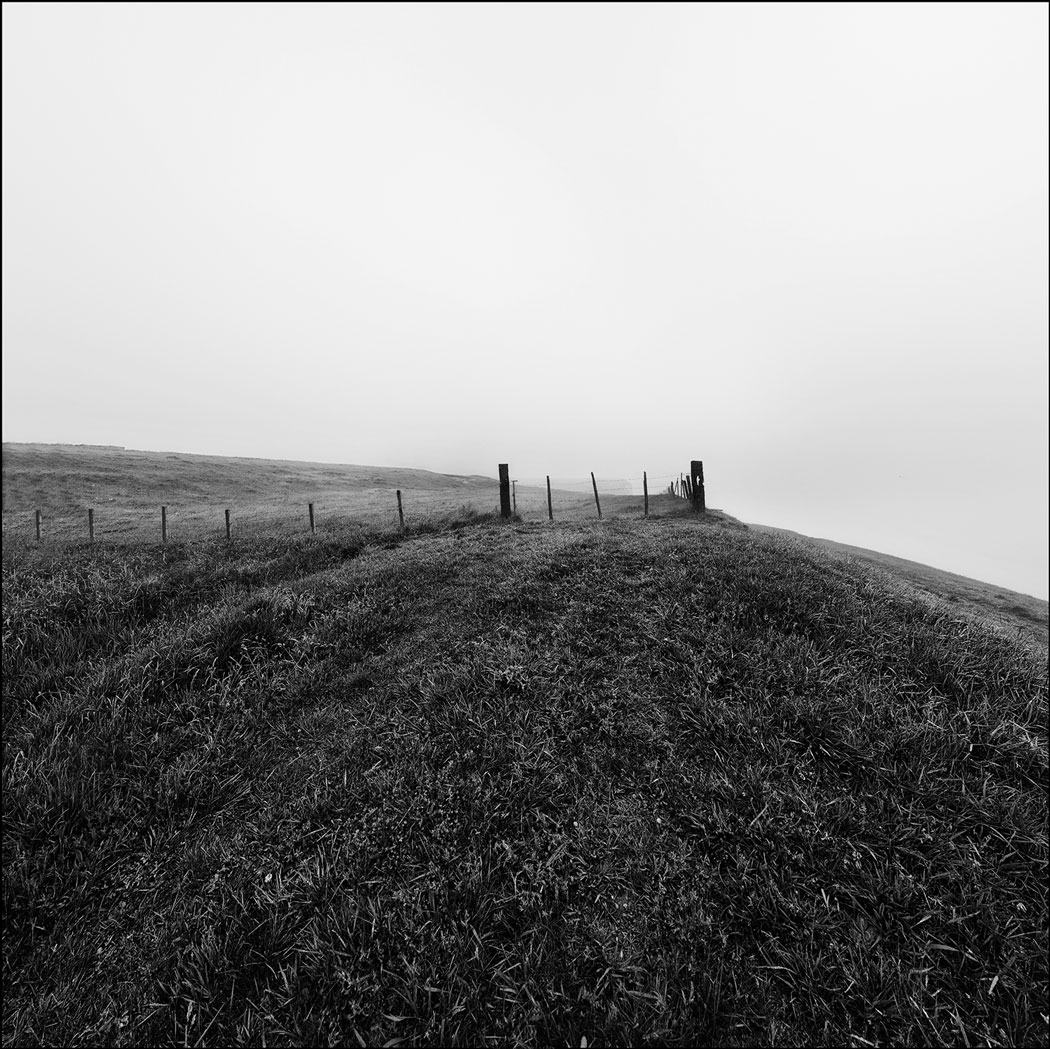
665	782
266	497
1025	617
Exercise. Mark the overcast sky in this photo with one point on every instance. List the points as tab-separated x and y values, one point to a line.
806	244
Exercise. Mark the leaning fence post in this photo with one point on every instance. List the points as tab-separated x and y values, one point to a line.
91	526
645	491
504	490
311	505
227	525
163	524
38	526
550	505
400	510
596	503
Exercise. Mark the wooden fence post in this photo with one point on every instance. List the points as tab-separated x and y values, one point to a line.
227	525
311	505
400	510
38	526
91	526
550	505
504	490
514	495
163	524
645	491
696	486
596	503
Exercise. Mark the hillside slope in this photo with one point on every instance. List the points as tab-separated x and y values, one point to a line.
125	489
59	475
662	781
1017	614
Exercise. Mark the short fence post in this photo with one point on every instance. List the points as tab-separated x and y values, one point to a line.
504	490
696	486
163	524
38	526
91	526
645	491
596	503
514	495
227	526
400	510
311	505
550	505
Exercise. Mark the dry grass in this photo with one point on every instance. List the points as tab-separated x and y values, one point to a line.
126	490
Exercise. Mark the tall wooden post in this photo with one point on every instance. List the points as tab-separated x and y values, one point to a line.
504	490
311	505
38	526
91	526
696	486
645	491
163	524
400	510
227	526
596	503
550	505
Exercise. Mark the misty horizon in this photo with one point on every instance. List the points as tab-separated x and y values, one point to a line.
805	245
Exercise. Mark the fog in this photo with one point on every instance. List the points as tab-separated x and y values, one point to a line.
806	244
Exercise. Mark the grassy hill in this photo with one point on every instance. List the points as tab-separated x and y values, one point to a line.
666	781
1020	615
126	489
266	497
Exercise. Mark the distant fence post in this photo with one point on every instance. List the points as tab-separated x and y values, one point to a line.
311	505
696	486
645	491
504	490
91	526
227	525
38	526
400	510
594	483
514	495
163	524
550	505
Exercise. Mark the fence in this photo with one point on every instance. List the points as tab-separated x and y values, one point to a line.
531	499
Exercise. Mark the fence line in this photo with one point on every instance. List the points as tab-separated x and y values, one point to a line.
622	492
